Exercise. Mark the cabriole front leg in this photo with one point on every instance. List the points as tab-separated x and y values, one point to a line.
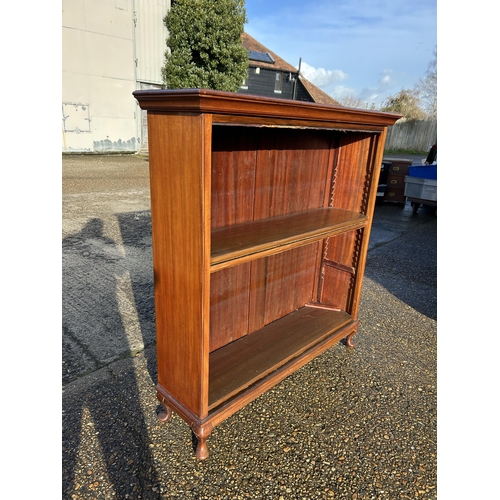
165	416
349	340
202	433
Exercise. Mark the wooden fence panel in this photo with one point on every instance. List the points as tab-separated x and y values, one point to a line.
416	135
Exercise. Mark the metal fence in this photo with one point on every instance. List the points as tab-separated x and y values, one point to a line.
411	135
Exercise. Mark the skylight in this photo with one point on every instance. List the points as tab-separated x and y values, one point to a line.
264	57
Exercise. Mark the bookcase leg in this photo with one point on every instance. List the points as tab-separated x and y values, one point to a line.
202	449
349	342
165	416
202	434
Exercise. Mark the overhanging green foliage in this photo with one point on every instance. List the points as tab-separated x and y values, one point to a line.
205	45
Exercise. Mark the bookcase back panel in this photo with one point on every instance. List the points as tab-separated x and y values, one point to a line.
229	305
259	173
352	177
293	172
249	296
282	283
234	157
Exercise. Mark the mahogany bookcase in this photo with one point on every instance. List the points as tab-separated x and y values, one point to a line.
261	213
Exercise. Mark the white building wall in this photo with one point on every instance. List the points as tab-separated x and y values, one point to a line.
101	55
151	39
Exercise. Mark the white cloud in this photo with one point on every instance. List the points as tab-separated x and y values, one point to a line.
338	92
361	37
386	78
321	77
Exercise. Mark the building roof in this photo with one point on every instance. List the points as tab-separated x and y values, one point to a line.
317	94
251	44
279	64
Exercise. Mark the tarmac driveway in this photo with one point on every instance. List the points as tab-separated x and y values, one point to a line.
352	424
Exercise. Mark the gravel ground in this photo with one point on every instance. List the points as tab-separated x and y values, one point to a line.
352	424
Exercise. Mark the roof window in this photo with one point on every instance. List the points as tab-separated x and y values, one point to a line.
264	57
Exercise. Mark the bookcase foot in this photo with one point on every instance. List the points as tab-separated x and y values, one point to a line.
165	416
202	449
202	434
349	341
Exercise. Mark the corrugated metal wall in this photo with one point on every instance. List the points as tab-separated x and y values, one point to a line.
150	46
416	135
98	77
150	39
110	48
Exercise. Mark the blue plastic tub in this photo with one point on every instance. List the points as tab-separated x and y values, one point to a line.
423	171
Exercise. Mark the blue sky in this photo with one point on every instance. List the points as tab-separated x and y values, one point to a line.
368	49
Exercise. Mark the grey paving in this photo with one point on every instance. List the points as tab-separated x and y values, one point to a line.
352	424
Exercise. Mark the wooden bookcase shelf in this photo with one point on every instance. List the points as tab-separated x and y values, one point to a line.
242	242
261	214
240	364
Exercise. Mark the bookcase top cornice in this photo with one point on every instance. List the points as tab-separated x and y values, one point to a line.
233	104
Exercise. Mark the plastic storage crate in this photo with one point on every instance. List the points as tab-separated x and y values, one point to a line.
422	189
423	171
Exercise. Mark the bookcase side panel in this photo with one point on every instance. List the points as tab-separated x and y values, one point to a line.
339	274
180	255
354	172
375	155
353	188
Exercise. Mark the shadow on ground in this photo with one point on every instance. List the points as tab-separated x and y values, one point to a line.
108	314
405	263
350	424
